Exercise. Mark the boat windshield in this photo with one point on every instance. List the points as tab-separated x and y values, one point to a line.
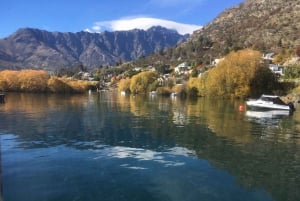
274	100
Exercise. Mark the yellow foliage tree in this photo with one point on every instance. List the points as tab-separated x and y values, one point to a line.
79	86
33	80
142	82
124	85
237	75
9	80
193	86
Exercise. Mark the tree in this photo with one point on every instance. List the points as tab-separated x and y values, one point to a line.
193	86
240	74
57	85
141	82
297	50
124	85
292	71
9	80
33	80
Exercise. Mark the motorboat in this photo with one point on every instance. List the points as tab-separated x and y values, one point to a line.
267	114
270	102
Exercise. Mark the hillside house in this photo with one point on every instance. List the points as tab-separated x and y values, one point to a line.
269	56
277	69
182	68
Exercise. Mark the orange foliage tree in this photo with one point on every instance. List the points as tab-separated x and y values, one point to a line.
9	80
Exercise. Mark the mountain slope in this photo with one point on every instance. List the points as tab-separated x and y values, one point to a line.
264	25
34	48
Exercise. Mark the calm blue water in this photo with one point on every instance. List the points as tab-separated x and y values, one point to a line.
109	147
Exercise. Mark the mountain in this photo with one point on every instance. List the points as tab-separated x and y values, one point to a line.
259	24
264	25
39	49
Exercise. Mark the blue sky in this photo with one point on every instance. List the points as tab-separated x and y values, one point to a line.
99	15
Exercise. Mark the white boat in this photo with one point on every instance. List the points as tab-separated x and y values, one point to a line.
270	102
267	114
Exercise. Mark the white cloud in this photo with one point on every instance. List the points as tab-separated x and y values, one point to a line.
145	23
163	158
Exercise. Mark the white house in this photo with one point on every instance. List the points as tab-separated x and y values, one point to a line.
277	69
182	68
268	56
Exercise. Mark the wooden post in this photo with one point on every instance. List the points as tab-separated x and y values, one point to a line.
2	98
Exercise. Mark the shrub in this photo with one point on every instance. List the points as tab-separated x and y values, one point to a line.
165	91
57	85
79	86
292	71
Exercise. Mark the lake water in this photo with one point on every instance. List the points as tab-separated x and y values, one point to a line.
109	147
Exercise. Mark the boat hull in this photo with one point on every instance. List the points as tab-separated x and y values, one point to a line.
265	106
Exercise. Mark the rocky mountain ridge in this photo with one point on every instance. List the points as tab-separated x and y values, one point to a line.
39	49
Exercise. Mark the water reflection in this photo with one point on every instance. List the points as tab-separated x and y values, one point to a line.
166	132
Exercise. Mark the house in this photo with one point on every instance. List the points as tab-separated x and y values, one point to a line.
182	68
269	56
277	69
85	76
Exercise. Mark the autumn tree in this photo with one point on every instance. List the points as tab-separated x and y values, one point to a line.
33	80
240	74
9	80
58	85
124	85
142	82
194	86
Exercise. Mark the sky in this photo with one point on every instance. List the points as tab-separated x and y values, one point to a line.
185	16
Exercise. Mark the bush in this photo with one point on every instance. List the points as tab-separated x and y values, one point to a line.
57	85
79	86
63	85
292	71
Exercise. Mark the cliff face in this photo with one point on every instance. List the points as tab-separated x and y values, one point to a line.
34	48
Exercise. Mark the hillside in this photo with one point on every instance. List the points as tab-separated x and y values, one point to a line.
264	25
34	48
